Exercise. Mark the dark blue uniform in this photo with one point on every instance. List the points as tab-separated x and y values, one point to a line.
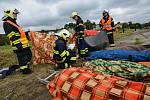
63	57
82	46
24	54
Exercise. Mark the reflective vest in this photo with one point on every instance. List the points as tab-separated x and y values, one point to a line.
23	39
107	25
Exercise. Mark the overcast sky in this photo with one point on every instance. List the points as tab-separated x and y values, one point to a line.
52	14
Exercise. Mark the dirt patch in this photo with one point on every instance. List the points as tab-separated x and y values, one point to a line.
25	87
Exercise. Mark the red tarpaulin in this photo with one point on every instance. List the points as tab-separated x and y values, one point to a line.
85	84
90	32
42	47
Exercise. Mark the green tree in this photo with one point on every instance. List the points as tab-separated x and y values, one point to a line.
88	25
125	25
70	25
138	25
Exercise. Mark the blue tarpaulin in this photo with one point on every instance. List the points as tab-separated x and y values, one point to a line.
128	55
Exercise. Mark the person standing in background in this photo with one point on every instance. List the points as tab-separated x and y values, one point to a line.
79	32
107	24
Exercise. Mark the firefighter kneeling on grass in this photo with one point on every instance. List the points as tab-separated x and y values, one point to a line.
18	40
63	56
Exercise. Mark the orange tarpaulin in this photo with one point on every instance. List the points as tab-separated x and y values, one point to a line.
85	84
42	47
145	63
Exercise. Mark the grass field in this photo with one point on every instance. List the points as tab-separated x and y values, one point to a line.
121	35
7	57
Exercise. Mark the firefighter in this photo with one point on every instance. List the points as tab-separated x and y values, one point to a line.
79	32
63	56
18	40
107	24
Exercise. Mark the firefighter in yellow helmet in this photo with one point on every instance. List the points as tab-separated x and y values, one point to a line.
107	24
79	32
63	56
18	40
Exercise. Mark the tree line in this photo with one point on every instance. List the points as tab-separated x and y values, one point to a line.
89	25
92	25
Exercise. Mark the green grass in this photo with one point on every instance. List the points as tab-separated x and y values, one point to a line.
121	35
7	57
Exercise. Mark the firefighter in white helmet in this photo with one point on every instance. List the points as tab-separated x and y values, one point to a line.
18	40
63	56
107	24
79	29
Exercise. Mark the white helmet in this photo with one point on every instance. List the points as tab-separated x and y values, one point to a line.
106	11
74	14
64	34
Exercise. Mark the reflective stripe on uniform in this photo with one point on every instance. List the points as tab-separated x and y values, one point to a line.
63	60
67	53
73	58
106	26
63	53
86	50
25	46
56	52
109	32
82	51
66	65
24	67
12	34
11	43
16	42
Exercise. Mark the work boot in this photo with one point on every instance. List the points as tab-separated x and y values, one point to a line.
26	71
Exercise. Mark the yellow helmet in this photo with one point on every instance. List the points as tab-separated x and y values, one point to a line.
64	34
9	13
74	14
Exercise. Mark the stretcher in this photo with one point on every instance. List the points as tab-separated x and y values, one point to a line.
47	78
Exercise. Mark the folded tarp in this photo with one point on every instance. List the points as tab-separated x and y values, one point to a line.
125	69
129	55
90	32
145	63
85	84
42	47
97	42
